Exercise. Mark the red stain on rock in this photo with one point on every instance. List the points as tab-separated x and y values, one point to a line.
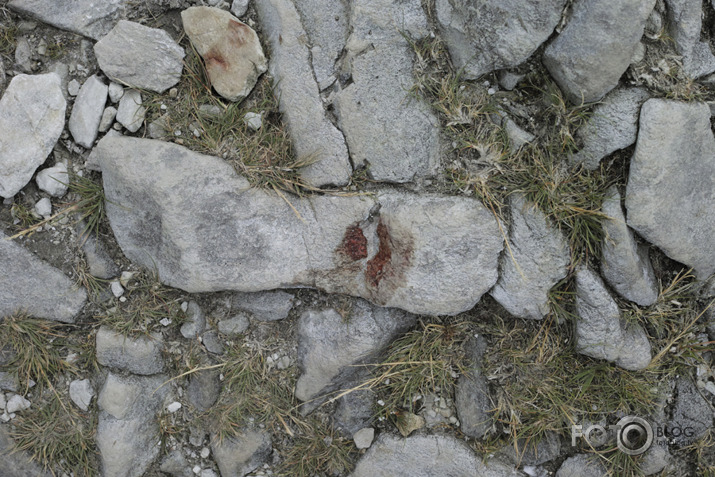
214	59
237	33
377	266
354	243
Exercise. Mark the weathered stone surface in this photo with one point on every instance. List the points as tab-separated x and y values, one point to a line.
329	345
495	34
582	465
128	431
231	50
15	463
595	48
203	389
612	126
195	323
235	325
536	259
140	56
239	7
691	411
81	393
684	19
354	411
312	133
205	229
130	112
426	456
53	180
32	116
87	111
140	355
670	196
98	260
31	285
601	332
473	404
237	456
394	134
175	464
546	449
265	306
625	265
86	17
327	24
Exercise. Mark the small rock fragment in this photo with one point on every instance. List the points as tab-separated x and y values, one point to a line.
116	91
239	7
117	289
253	120
265	306
195	321
364	437
173	407
234	326
16	403
81	393
43	207
53	180
73	87
140	355
130	113
241	454
87	111
107	118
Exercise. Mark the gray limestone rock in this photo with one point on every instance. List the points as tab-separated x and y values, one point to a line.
32	116
691	411
596	47
314	137
87	17
14	463
204	388
684	19
473	404
53	180
81	393
625	265
354	411
394	135
264	306
670	196
140	56
612	126
494	34
601	332
127	431
195	323
140	355
130	112
582	465
237	456
546	449
31	285
107	120
330	345
536	259
87	111
239	7
425	254
212	342
235	325
426	456
98	260
175	464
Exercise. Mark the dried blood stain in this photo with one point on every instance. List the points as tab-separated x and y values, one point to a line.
354	243
376	266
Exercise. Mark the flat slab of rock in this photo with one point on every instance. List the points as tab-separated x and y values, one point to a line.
536	259
329	344
691	411
140	56
312	133
127	431
90	18
495	34
625	264
205	229
612	126
15	463
595	48
140	355
231	50
237	456
669	197
392	133
87	111
31	285
425	456
32	116
264	306
601	332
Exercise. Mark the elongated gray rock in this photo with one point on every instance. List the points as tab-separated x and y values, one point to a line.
140	355
669	197
494	34
426	456
140	56
265	306
595	48
313	135
625	265
601	332
239	455
130	112
28	284
90	18
612	126
536	259
127	430
204	228
32	116
329	344
394	134
685	23
87	111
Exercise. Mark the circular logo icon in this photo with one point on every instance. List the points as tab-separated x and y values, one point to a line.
634	435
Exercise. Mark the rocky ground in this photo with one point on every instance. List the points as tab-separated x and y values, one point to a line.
367	237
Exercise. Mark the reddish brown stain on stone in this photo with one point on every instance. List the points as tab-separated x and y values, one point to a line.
377	266
237	33
214	59
354	243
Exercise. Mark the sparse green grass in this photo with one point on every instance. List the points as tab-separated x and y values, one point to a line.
90	205
147	302
8	33
24	215
35	344
58	436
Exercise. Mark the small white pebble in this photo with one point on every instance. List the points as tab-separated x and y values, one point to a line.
165	321
117	289
380	402
184	306
173	407
197	469
163	107
122	299
491	91
125	277
205	452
